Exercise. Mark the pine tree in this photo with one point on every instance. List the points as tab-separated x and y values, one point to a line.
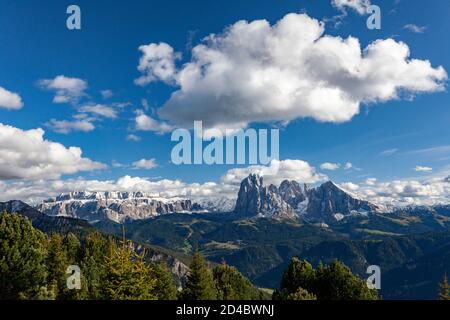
22	259
232	285
72	247
299	275
165	286
93	269
333	282
199	284
57	265
128	277
444	289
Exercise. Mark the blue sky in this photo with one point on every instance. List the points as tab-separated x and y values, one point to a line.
387	140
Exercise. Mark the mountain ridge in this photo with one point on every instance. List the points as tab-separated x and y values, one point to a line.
325	204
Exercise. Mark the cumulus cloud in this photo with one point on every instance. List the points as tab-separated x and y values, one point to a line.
276	172
423	169
350	186
370	181
35	191
66	126
415	28
330	166
144	122
257	72
145	164
408	192
432	190
67	89
360	6
99	110
228	185
27	155
10	100
157	63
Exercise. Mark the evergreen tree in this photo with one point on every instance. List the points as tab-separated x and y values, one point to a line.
57	265
232	285
165	286
333	282
444	289
128	277
199	284
72	247
337	282
93	269
22	259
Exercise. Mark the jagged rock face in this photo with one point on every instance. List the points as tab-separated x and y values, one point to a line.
116	206
255	199
292	193
329	202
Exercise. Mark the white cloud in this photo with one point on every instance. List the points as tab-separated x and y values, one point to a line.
38	190
106	94
67	89
408	192
26	155
360	6
133	137
350	186
330	166
276	172
370	181
348	166
255	72
99	110
423	169
388	152
415	28
145	164
116	164
65	126
157	63
144	122
432	190
10	100
228	186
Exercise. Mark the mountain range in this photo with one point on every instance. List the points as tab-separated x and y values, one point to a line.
327	203
266	225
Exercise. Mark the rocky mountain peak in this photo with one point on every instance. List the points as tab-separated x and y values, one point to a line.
326	203
255	199
116	206
292	193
